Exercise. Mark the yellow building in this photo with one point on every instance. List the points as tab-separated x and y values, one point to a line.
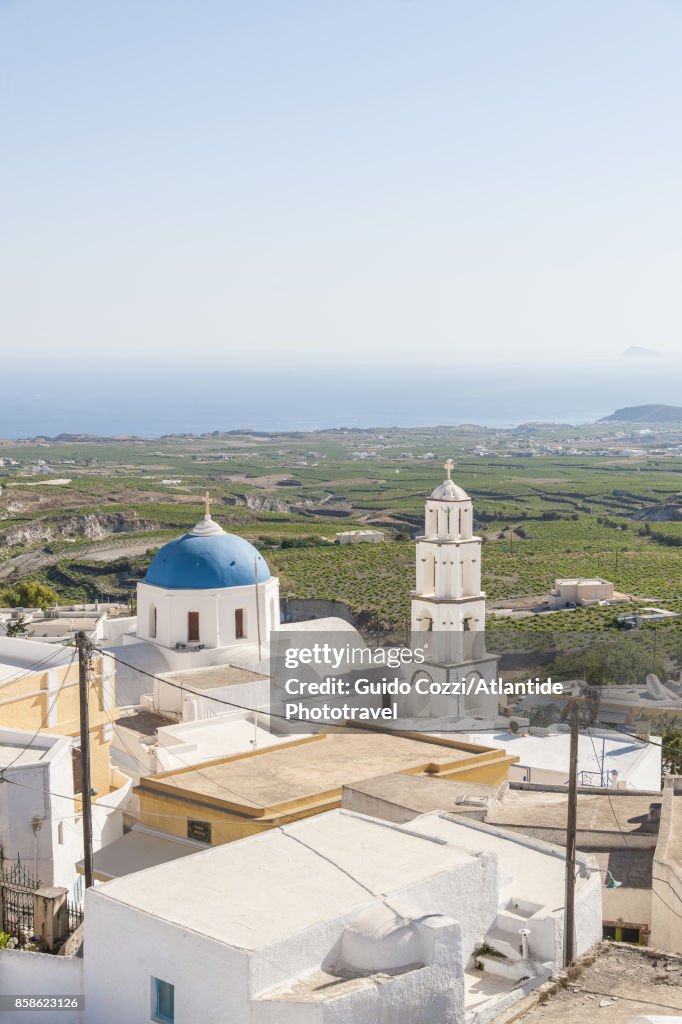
234	797
39	691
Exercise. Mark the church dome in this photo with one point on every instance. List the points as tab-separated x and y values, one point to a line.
207	558
449	491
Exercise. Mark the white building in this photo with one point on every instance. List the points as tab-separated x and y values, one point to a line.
336	918
448	619
208	599
605	759
143	744
580	591
360	537
40	821
206	590
448	595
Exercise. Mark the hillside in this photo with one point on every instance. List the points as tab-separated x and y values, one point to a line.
645	414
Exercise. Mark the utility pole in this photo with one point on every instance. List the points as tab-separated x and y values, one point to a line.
571	828
83	648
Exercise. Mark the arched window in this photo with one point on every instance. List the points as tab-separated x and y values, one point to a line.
152	621
420	700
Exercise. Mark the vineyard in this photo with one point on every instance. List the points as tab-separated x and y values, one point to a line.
540	516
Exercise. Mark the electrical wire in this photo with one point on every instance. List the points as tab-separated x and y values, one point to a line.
46	717
30	670
365	726
630	848
186	765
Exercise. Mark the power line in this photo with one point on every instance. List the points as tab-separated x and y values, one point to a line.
29	670
186	764
153	814
365	726
627	845
42	724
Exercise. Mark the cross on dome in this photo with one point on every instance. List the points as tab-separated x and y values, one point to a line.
207	526
449	466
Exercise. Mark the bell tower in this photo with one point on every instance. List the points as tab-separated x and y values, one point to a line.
448	615
448	595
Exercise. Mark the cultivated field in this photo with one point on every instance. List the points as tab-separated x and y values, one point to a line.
549	501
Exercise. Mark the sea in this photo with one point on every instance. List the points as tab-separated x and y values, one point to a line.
200	396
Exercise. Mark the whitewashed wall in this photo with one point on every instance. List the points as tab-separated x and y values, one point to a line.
37	974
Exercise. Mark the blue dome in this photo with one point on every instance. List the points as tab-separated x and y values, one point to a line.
195	562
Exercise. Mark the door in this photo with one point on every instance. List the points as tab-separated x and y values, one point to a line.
193	627
239	624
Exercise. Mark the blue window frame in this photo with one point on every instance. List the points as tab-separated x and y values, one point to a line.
163	1001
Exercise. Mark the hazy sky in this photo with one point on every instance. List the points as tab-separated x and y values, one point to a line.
334	179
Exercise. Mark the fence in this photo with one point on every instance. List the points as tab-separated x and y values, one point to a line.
17	887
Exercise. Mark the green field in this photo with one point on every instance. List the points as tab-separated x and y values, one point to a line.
541	515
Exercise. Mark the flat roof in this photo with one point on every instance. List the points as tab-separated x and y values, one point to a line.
250	893
143	722
312	766
421	793
597	812
22	746
58	627
16	755
589	580
551	752
213	677
138	850
537	873
19	657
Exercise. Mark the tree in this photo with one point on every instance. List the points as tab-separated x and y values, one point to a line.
671	737
18	628
621	661
28	594
544	715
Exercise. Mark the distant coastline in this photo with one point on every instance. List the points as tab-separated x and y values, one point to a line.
148	401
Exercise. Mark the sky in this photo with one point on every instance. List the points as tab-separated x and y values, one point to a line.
288	183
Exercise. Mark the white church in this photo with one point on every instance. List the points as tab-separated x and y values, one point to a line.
209	600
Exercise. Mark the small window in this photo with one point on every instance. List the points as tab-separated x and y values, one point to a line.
163	1001
239	624
60	833
193	627
152	621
